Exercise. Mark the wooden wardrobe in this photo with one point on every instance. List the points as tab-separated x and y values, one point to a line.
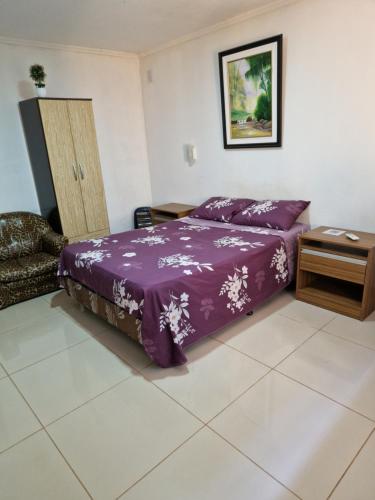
61	139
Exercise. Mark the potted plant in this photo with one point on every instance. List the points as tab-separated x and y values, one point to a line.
38	75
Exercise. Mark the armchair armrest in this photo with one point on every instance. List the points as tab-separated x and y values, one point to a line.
53	243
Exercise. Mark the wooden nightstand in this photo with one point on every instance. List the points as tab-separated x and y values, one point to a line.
170	211
336	273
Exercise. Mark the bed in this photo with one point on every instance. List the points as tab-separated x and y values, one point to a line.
170	285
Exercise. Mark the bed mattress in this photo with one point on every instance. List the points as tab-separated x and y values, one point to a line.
184	279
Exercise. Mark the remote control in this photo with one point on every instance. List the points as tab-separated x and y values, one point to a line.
352	236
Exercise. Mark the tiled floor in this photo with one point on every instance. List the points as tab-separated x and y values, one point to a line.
280	405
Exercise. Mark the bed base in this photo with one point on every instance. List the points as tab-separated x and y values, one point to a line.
113	314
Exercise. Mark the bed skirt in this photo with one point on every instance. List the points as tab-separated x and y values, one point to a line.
103	308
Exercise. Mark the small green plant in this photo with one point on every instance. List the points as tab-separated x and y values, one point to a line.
38	75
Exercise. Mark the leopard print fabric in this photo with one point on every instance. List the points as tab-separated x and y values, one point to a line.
27	267
29	252
53	243
21	234
18	291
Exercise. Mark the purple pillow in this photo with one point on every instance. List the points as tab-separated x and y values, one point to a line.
220	208
276	214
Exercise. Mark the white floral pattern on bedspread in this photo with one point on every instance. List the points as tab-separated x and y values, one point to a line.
176	316
152	229
236	241
123	298
180	260
152	240
235	289
98	242
193	227
87	259
279	262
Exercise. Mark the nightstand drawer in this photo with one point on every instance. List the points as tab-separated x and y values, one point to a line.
333	265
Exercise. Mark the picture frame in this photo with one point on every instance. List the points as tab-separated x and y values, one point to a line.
251	94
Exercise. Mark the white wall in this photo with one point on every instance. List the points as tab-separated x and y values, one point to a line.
328	153
114	85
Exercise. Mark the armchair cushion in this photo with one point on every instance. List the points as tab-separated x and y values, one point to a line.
26	267
20	234
53	243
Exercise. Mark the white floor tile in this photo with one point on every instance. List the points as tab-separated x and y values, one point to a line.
300	437
116	438
63	382
37	340
126	348
303	439
207	468
16	419
273	305
359	482
22	313
362	332
339	369
35	470
268	340
213	377
309	315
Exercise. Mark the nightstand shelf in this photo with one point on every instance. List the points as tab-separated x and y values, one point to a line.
170	211
331	294
336	273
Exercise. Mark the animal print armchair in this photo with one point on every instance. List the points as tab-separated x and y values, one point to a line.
29	255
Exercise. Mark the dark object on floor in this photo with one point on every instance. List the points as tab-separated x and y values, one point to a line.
29	255
142	217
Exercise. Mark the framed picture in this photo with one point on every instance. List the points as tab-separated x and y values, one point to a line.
250	83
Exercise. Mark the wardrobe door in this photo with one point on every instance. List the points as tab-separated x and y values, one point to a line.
58	136
86	148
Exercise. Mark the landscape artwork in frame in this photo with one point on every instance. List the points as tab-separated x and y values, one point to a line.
250	80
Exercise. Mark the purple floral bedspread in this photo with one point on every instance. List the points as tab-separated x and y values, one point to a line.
182	280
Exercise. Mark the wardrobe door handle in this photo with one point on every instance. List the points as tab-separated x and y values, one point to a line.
75	172
81	171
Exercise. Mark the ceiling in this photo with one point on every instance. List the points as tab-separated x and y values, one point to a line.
125	25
